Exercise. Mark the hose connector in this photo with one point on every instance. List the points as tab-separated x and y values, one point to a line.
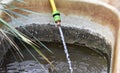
56	16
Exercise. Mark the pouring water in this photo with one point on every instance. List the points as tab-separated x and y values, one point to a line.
65	50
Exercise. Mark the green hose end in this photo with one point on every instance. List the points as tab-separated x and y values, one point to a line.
56	16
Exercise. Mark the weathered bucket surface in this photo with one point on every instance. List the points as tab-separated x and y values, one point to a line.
88	23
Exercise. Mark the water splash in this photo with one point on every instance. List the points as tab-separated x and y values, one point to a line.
66	50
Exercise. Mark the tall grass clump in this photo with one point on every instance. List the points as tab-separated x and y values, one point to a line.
7	30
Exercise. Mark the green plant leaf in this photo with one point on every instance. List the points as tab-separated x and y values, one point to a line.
19	35
12	44
26	40
21	1
20	23
12	7
15	13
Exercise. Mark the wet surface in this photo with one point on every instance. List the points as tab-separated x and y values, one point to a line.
44	32
83	60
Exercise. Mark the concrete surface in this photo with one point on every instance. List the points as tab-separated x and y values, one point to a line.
89	23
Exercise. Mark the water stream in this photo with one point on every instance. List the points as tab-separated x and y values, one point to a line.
65	50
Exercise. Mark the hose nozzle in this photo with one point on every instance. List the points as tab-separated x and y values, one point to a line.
58	23
56	16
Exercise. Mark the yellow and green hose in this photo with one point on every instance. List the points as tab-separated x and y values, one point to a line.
55	12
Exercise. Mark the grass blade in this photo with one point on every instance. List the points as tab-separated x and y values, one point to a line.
13	44
15	13
18	34
31	54
12	7
21	1
20	23
26	40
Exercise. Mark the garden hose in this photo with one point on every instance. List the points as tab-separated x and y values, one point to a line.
55	13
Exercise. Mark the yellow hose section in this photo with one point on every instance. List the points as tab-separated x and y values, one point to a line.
52	2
